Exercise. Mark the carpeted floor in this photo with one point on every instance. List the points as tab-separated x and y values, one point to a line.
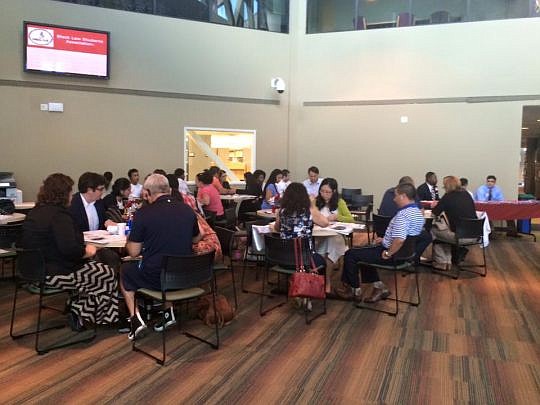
474	340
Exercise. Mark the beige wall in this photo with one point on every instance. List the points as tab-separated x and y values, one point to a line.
103	131
361	145
364	81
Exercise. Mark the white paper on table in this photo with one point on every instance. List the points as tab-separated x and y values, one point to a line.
100	237
2	251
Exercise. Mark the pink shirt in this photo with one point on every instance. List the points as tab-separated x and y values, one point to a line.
215	201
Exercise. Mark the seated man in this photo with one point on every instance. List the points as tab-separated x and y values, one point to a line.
87	208
166	226
313	182
408	221
136	188
489	191
428	191
388	207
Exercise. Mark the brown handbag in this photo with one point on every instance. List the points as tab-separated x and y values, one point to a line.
302	283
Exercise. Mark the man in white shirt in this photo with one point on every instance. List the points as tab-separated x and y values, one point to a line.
136	188
182	184
313	182
285	181
86	207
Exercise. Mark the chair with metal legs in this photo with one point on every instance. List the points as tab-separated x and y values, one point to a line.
402	261
469	232
31	269
182	280
280	259
226	240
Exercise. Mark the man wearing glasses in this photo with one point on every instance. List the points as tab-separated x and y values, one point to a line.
87	208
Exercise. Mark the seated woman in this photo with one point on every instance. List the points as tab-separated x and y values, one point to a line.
70	264
209	239
270	193
114	202
334	208
456	203
223	179
207	195
297	216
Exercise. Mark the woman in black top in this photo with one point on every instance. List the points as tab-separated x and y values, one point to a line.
114	202
50	228
456	204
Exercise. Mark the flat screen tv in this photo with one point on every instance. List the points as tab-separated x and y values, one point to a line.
66	50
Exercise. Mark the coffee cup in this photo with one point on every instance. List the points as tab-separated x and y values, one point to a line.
112	229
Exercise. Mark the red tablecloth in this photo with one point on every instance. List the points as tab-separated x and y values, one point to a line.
497	210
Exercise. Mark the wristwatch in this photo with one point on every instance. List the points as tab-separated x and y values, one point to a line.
386	254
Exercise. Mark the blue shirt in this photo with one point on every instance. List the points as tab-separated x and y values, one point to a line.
482	194
165	227
273	190
408	221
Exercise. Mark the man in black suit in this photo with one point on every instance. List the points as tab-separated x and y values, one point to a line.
428	191
87	208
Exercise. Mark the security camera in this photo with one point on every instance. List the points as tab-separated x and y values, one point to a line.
278	84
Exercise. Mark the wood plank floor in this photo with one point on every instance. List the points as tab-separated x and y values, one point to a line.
474	340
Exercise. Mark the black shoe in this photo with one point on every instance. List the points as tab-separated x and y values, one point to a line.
166	321
137	326
124	325
75	322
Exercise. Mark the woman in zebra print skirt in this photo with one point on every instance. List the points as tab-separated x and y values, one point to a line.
70	264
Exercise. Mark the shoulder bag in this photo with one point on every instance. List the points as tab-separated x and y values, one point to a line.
302	283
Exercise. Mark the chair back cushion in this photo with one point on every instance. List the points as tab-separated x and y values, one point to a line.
180	272
407	251
470	228
380	223
31	264
225	237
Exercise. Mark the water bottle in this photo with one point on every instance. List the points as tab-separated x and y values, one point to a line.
128	224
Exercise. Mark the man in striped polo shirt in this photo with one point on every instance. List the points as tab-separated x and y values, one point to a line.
408	221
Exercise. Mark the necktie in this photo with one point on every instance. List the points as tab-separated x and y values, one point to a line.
435	193
489	195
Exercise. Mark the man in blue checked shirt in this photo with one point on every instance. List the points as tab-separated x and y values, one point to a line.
408	221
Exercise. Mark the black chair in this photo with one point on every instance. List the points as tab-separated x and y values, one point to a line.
9	256
347	193
247	211
31	269
361	207
9	234
439	17
253	253
402	261
469	232
229	220
181	280
226	240
379	224
280	259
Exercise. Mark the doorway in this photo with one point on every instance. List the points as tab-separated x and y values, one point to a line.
530	150
232	150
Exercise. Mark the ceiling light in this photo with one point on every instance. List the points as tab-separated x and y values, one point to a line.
524	128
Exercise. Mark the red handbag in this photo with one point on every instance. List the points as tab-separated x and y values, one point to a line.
302	283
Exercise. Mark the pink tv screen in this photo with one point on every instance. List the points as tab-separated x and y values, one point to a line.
66	50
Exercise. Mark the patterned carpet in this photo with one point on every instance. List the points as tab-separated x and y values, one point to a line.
473	340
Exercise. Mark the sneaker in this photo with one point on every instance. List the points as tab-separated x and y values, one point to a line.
166	321
124	325
377	295
137	326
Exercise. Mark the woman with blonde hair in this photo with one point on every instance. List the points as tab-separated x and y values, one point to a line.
455	204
